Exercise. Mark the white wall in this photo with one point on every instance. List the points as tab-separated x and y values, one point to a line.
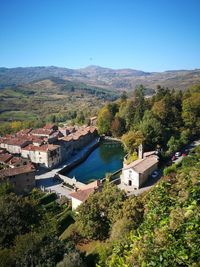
75	203
130	175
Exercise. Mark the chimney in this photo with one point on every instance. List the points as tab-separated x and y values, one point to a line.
140	151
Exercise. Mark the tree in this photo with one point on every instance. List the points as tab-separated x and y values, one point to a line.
151	129
35	249
72	259
139	103
117	127
173	144
17	216
191	111
132	140
127	112
96	216
104	121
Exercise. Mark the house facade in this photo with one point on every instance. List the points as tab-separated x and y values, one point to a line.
47	155
21	178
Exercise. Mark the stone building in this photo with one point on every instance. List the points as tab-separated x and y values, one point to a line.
47	155
22	178
14	145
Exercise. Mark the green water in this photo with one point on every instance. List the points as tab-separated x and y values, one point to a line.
106	158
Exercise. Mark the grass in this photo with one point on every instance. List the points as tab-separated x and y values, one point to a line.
17	116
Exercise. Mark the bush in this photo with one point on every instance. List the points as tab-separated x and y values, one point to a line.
169	169
47	199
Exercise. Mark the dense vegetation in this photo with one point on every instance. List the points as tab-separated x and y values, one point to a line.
30	229
158	228
169	119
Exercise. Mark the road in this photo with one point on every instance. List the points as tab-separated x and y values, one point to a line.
45	178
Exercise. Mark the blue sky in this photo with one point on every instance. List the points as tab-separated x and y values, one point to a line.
150	35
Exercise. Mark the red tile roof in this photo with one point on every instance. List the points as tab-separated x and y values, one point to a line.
14	141
43	148
24	131
82	195
50	126
16	171
42	131
5	157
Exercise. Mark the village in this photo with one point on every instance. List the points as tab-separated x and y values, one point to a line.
29	150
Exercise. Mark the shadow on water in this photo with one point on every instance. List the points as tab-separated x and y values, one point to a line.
47	182
106	158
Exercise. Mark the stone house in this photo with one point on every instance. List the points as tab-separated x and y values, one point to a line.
47	155
14	145
22	178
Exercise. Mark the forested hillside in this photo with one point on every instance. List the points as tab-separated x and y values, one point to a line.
166	121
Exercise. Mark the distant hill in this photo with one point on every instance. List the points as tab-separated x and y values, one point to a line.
119	79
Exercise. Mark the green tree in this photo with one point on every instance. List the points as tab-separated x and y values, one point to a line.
96	216
17	216
35	249
104	121
139	103
127	112
173	144
151	129
132	140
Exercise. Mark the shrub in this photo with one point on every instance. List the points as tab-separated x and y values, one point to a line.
169	169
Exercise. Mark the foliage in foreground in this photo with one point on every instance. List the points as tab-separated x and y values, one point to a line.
169	233
30	229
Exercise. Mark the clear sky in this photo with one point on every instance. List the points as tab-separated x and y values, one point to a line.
150	35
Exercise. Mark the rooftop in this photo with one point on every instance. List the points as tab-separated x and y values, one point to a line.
16	171
5	157
82	194
141	165
43	148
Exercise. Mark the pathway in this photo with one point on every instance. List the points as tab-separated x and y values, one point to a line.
45	179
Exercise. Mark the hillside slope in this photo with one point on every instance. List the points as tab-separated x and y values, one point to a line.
120	79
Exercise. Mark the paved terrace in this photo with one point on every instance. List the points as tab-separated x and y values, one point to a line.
46	180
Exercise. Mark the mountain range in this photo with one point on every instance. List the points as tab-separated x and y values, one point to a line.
118	79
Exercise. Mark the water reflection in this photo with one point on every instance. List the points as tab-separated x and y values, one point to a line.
107	158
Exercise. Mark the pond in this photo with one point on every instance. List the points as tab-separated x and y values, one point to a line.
106	158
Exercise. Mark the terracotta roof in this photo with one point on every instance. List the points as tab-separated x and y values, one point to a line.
16	171
18	161
83	194
5	157
141	165
50	126
14	141
24	131
42	131
43	148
